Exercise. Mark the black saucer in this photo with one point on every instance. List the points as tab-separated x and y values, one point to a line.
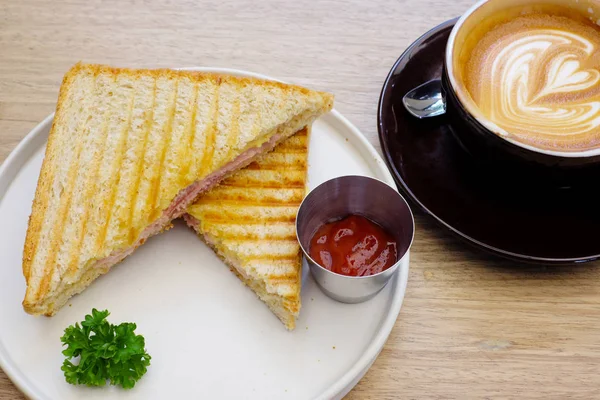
511	218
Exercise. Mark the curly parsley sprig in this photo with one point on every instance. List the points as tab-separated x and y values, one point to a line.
106	352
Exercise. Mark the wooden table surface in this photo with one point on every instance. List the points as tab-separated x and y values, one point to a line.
472	326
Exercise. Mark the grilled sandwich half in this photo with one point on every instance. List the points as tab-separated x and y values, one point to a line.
129	151
249	220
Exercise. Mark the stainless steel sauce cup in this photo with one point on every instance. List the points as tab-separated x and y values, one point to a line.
358	195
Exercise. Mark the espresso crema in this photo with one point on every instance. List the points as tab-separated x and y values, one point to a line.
538	78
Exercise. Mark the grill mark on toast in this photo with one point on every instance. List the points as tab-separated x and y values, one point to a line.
273	167
303	133
234	129
278	161
290	278
260	177
65	201
256	127
266	182
90	188
207	88
240	222
140	163
254	237
223	216
253	197
294	143
186	156
118	166
255	203
271	257
161	173
260	185
135	142
282	151
210	132
292	150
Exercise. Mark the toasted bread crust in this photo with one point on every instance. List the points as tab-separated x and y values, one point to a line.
124	145
40	201
194	75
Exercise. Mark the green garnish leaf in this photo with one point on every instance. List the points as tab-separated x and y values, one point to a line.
106	352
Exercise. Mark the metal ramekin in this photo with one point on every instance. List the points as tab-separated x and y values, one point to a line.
359	195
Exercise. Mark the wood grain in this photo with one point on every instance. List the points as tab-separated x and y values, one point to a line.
471	326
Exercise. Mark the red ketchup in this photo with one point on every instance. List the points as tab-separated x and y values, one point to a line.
353	246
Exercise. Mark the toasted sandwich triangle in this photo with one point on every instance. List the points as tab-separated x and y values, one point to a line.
129	150
249	221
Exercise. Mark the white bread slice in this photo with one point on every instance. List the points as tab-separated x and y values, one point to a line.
129	150
249	221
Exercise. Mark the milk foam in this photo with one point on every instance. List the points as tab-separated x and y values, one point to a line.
538	78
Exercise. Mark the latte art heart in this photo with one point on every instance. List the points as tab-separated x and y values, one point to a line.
538	78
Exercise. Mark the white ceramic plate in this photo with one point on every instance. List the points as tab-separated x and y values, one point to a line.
208	335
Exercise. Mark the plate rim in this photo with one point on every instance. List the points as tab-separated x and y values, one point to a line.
405	189
352	376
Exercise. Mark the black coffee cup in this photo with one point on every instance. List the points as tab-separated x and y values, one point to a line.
487	142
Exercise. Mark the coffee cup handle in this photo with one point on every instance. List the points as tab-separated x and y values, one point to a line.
426	100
